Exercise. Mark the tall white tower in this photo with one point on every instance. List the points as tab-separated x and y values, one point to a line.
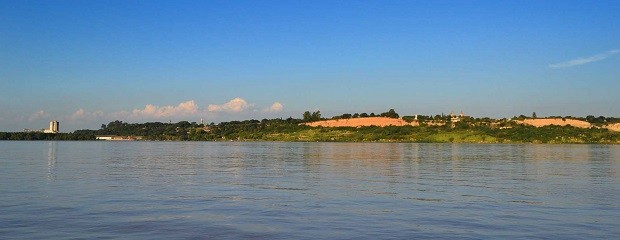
54	127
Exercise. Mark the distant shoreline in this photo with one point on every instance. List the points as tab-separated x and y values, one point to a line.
346	128
277	141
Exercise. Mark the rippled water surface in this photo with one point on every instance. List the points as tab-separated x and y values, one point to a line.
199	190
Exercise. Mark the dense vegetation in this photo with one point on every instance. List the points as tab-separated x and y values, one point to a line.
467	130
77	135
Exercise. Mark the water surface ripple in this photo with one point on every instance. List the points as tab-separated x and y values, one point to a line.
265	190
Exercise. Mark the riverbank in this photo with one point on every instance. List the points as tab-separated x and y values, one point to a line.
426	134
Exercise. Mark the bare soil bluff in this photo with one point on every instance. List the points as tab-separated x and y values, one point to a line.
556	121
614	127
565	122
385	121
362	122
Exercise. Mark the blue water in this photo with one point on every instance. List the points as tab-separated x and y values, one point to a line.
206	190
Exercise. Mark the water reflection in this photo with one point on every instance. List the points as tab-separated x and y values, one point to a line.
171	190
52	148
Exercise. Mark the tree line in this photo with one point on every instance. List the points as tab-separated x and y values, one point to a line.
467	129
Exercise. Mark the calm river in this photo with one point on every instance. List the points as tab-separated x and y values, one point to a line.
207	190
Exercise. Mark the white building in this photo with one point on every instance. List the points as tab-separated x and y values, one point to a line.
454	118
54	127
105	137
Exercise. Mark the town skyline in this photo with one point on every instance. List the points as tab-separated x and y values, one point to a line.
89	63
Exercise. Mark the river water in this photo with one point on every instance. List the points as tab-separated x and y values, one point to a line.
272	190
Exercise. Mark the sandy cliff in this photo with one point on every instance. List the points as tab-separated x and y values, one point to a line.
556	121
384	121
559	122
362	122
613	127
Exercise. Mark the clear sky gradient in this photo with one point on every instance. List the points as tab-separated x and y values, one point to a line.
85	63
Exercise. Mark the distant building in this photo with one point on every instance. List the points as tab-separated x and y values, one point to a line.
54	127
118	138
454	119
106	137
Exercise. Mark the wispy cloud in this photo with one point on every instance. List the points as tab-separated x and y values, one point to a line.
187	109
275	107
585	60
38	115
233	106
83	115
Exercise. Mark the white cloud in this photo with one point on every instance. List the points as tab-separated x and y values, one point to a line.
188	108
184	109
81	114
38	115
234	106
585	60
275	107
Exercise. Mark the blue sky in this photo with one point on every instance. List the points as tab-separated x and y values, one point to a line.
90	62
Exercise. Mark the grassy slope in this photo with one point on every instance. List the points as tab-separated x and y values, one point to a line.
551	134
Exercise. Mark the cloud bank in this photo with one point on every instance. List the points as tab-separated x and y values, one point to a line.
586	60
150	112
233	106
189	108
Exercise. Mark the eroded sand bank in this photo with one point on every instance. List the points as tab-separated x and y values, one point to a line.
362	122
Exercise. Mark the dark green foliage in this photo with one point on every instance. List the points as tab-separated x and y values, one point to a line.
600	120
408	118
310	117
391	114
307	116
554	134
77	135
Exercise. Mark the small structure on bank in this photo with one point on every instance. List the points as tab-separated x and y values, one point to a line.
455	118
54	128
118	138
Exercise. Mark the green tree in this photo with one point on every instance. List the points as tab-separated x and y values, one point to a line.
307	116
391	114
409	118
316	116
